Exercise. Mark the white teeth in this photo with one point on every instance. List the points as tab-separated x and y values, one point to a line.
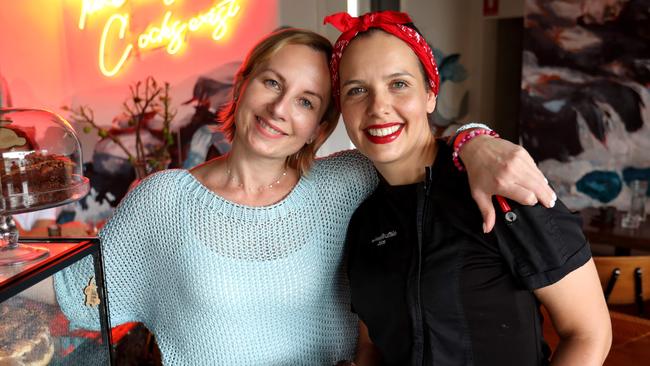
381	132
268	127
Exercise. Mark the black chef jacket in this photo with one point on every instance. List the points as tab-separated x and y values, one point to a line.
434	290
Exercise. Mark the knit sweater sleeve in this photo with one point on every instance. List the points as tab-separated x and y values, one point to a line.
131	244
345	176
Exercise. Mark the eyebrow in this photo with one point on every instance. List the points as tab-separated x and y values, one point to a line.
397	74
283	80
393	75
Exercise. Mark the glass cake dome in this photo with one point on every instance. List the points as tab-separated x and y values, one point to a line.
40	167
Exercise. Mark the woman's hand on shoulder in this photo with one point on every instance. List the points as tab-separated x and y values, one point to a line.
499	167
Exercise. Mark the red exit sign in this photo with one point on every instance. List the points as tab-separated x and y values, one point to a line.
490	7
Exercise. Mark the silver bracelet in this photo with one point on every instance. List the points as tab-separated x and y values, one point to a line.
467	126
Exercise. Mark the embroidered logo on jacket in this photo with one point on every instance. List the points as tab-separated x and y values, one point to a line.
381	239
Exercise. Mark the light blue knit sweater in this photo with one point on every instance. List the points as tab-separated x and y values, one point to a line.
219	283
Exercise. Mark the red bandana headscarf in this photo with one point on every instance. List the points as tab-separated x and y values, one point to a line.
389	21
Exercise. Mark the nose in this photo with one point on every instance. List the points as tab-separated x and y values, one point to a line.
379	103
279	107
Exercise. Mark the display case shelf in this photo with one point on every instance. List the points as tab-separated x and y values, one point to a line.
41	323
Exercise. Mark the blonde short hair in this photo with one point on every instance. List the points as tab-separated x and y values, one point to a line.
262	52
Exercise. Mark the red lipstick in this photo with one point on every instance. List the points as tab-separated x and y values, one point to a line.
386	138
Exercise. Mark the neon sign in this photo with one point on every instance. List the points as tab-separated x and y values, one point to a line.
88	7
171	33
124	22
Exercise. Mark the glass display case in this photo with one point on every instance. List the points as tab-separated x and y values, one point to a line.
33	329
41	167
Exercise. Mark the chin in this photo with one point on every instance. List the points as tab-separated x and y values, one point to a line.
383	157
378	153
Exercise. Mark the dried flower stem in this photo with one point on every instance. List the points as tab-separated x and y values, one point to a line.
145	102
83	114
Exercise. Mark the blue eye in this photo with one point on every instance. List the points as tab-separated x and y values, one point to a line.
356	91
306	103
272	83
399	84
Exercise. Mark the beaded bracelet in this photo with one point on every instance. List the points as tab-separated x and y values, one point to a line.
463	130
472	125
467	136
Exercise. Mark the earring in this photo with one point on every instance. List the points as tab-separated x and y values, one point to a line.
311	139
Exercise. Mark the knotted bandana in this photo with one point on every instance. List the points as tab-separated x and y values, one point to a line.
389	21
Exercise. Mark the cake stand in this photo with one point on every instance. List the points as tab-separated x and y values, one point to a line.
40	167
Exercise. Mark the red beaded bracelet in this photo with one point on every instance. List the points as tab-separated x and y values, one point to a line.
466	137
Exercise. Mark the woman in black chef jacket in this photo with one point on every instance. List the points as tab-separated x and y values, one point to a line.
430	287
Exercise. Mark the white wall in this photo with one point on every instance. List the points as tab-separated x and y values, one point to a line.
459	26
309	14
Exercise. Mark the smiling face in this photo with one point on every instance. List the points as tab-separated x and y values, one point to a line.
384	100
283	102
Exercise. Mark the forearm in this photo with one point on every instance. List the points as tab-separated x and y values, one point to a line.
586	350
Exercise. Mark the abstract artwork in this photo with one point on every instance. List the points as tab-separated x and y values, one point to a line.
585	96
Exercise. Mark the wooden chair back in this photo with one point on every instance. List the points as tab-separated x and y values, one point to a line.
625	279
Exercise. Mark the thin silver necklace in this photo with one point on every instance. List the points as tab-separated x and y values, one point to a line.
240	184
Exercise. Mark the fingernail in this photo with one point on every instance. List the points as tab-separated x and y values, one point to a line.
484	228
552	204
545	180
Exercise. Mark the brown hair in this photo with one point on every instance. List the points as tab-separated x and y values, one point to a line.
262	52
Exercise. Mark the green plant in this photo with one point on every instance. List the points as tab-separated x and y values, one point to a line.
147	100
